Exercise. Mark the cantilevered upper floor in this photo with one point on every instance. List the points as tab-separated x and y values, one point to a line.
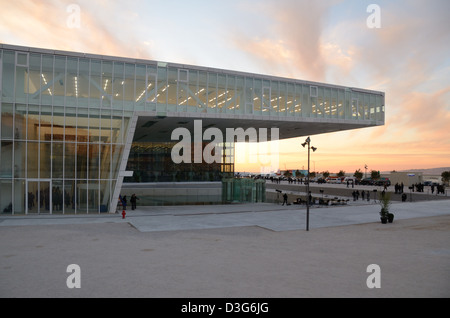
167	94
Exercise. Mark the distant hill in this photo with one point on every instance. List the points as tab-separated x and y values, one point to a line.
430	172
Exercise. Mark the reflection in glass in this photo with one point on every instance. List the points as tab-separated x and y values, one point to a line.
20	122
59	88
45	160
93	199
105	193
57	197
69	160
57	159
6	196
19	196
81	196
105	161
82	163
95	84
93	158
7	121
6	159
32	159
47	80
69	196
20	148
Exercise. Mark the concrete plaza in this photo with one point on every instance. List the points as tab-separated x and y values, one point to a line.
250	250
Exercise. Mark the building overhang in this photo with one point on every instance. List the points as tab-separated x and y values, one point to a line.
154	127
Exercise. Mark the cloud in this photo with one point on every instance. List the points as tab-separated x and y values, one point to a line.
301	23
50	24
293	40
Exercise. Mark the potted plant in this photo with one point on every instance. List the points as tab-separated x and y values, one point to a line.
390	217
385	202
383	216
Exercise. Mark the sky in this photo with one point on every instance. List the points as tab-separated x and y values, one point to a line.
401	48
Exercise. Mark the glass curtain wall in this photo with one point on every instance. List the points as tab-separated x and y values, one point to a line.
190	91
61	136
152	162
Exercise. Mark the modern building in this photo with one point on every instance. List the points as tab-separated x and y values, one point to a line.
74	125
408	178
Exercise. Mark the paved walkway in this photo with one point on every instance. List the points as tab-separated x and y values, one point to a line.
230	251
271	216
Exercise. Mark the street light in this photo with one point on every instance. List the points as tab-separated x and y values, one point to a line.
307	142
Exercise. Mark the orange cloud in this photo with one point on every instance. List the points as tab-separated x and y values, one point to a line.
295	44
48	26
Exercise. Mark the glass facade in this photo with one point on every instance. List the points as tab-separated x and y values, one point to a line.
243	190
67	120
152	162
62	139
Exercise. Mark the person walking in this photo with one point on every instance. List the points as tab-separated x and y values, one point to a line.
285	197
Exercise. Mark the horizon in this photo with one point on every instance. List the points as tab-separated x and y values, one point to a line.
347	44
349	172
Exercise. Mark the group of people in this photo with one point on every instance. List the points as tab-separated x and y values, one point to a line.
289	180
44	199
419	187
298	201
398	188
440	189
364	195
124	201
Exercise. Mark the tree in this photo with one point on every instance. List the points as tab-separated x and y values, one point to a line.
299	174
341	173
326	174
358	174
375	175
445	176
287	174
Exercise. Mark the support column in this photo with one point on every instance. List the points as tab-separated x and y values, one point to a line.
123	164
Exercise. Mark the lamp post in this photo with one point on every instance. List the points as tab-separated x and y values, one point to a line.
308	142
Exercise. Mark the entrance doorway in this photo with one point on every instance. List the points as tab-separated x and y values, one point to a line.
39	196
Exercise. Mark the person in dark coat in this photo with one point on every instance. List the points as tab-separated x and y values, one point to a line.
285	199
133	201
124	202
